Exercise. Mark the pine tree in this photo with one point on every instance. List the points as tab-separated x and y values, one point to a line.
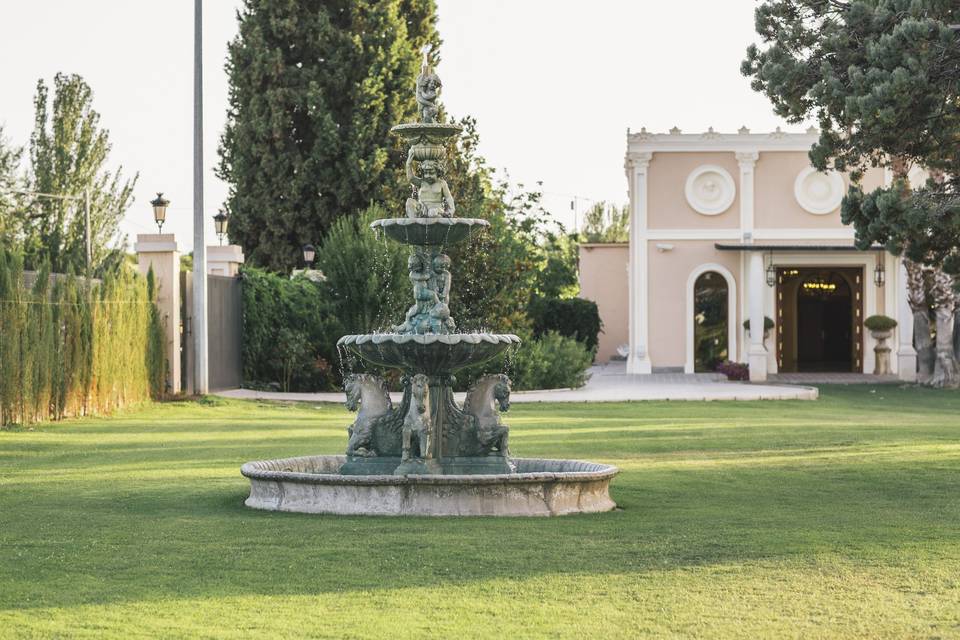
315	87
882	79
68	154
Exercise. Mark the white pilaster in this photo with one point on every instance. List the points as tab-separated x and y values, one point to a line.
906	354
747	161
638	360
757	287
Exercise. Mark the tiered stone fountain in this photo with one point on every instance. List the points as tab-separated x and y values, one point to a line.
428	456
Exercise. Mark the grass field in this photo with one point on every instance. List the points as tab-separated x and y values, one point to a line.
839	518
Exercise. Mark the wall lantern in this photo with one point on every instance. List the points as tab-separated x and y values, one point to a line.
220	225
771	272
160	210
309	253
879	272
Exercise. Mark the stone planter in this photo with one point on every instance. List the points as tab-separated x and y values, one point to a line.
882	353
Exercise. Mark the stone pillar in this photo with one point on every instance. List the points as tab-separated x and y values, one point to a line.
159	251
224	261
906	354
757	352
638	360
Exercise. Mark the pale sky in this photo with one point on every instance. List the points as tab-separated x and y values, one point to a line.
554	85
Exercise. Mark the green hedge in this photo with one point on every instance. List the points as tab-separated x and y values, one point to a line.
571	317
551	361
289	340
72	347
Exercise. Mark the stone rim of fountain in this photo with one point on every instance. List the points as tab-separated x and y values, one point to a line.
583	471
276	486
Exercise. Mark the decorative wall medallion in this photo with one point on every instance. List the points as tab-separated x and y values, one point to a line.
710	190
818	193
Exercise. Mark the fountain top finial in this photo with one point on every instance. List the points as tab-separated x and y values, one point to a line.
425	65
428	90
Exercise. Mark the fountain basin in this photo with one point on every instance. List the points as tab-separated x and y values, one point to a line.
426	232
540	487
426	132
430	353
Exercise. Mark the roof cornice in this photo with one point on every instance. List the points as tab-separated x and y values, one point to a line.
710	140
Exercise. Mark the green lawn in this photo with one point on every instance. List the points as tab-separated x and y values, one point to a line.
838	518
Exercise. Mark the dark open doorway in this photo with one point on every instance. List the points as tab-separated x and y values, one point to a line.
819	315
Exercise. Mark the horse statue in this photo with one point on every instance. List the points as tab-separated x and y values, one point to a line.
417	422
491	433
369	395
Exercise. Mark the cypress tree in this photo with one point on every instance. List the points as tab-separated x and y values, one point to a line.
315	87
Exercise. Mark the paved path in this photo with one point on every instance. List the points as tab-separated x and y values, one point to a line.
832	378
608	383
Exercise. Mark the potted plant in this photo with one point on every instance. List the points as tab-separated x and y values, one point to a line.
767	326
881	328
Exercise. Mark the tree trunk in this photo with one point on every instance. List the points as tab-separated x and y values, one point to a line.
946	372
917	298
956	333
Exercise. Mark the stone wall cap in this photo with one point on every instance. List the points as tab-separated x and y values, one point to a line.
155	243
225	253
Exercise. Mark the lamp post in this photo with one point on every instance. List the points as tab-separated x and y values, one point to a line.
200	372
309	253
160	210
220	225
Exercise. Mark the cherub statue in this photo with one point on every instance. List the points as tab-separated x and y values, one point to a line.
441	274
424	296
433	196
428	90
440	320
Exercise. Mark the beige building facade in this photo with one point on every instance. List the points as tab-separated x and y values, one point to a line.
734	228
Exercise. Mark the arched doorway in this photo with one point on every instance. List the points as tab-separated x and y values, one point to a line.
825	304
711	327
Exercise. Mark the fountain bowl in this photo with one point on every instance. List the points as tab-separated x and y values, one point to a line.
540	487
429	231
426	132
430	353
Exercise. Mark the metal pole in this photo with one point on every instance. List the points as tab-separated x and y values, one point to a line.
86	226
201	382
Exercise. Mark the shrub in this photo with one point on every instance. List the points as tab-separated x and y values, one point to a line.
767	323
552	361
367	281
880	323
572	317
71	346
289	333
734	370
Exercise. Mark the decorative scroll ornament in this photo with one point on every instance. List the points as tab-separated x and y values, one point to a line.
818	193
710	190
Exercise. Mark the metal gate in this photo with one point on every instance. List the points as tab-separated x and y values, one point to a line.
224	332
